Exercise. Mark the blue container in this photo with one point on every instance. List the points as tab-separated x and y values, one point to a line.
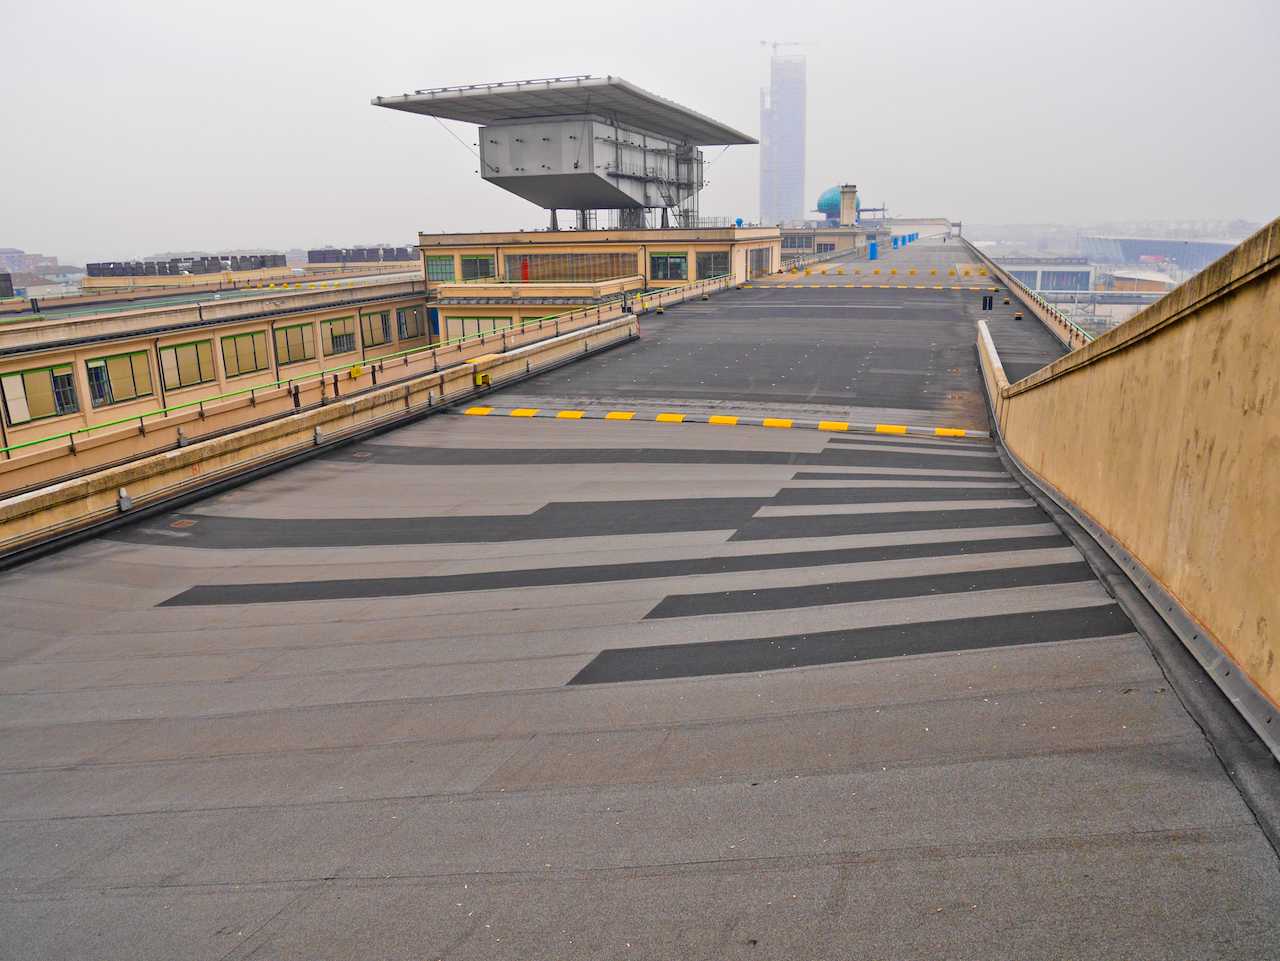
895	243
873	251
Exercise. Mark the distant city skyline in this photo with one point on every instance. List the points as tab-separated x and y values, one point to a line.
193	132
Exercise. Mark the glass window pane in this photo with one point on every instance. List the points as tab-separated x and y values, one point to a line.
308	343
120	373
15	398
39	390
245	356
188	365
230	363
141	374
99	385
204	353
169	368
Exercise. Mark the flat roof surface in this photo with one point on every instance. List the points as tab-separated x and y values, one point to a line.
610	97
513	688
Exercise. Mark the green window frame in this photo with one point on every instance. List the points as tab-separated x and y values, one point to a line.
245	353
118	378
185	365
481	326
375	329
440	267
338	336
669	266
410	322
712	263
39	393
477	266
295	343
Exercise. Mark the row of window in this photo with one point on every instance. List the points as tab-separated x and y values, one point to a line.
50	391
576	267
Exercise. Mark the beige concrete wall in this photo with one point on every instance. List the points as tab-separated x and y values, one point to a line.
1166	431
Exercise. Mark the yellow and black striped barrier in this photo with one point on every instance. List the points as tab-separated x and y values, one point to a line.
722	420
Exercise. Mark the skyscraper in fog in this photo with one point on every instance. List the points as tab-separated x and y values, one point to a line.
782	129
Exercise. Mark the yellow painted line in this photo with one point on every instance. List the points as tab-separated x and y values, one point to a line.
833	425
669	418
948	431
726	419
620	415
747	286
890	429
776	422
525	412
570	414
478	411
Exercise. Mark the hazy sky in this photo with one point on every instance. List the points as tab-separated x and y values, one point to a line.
137	126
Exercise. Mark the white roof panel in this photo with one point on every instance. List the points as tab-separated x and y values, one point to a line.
610	97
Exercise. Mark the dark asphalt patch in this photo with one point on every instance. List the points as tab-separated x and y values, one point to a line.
339	589
556	520
514	457
857	644
831	525
791	496
853	592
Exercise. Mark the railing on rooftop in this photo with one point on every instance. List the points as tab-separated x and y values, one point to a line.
603	312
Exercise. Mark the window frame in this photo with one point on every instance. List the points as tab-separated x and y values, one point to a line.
490	259
667	257
234	338
327	326
287	357
213	363
728	263
68	369
112	400
366	328
402	329
430	260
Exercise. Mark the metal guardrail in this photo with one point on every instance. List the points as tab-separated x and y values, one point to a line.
1077	336
640	301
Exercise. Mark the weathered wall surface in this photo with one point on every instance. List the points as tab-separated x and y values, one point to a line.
1166	431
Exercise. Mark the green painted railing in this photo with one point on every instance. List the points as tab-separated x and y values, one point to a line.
524	326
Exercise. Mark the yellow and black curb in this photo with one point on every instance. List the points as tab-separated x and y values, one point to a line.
722	420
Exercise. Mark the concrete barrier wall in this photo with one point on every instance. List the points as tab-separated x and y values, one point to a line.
40	515
1165	432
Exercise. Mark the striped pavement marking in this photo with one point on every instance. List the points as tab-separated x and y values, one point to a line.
723	420
779	286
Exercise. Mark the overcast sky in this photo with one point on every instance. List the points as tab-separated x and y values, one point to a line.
136	127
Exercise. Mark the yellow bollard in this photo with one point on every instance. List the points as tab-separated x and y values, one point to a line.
840	271
912	271
876	271
951	273
807	271
934	272
982	272
893	271
968	272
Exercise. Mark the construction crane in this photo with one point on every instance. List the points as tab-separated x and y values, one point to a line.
780	43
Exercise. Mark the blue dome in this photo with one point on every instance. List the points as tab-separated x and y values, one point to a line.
829	202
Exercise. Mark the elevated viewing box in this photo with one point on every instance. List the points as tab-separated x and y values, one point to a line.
583	143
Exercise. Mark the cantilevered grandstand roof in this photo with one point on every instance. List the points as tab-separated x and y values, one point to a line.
610	97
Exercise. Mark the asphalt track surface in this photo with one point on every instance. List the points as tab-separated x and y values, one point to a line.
505	688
